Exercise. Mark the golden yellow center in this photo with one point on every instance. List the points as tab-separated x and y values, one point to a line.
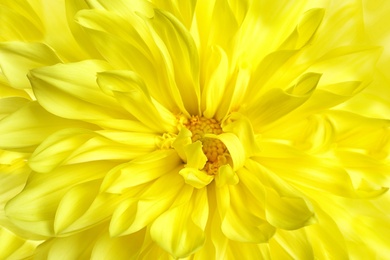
215	151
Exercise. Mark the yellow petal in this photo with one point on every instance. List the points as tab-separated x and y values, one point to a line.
181	56
196	178
17	58
141	170
180	230
35	207
30	125
291	245
143	54
81	243
19	22
305	30
14	247
71	146
287	212
182	140
130	91
10	105
226	175
74	203
215	81
244	220
285	207
119	248
235	148
195	157
134	214
65	96
276	103
240	126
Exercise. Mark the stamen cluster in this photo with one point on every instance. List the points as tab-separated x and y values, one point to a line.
215	151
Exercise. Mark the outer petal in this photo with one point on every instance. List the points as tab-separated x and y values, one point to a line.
67	89
130	91
14	247
72	145
34	208
17	58
30	125
180	230
140	171
119	248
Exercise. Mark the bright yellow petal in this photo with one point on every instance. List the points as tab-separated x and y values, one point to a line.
180	230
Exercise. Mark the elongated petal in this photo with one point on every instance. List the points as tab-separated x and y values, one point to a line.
65	89
180	230
304	32
14	247
71	146
140	170
39	199
74	204
120	248
30	125
244	221
277	103
129	89
134	214
17	58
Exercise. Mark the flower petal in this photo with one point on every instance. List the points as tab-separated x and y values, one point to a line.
35	207
74	204
119	248
30	125
67	89
277	103
195	156
180	230
196	178
306	28
71	146
17	58
135	213
244	220
141	170
129	89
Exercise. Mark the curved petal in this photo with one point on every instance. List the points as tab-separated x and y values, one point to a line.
130	91
140	171
277	103
244	221
67	89
71	146
30	125
180	230
18	58
119	248
135	213
35	207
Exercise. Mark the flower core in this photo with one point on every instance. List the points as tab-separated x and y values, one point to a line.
215	151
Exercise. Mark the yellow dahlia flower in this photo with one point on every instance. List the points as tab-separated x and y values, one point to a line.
223	129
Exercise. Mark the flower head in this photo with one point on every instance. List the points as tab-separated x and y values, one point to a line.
205	129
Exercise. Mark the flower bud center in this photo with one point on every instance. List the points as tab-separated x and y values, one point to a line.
215	151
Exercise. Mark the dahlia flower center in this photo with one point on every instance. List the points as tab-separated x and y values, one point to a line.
215	151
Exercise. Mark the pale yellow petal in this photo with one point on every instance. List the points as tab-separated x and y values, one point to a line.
35	207
65	89
141	170
180	230
130	91
135	213
119	248
30	125
17	58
